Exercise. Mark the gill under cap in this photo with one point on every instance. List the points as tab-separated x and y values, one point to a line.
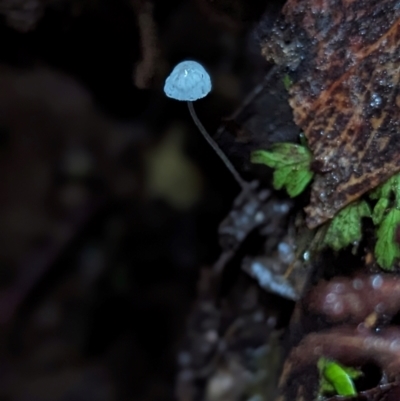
188	81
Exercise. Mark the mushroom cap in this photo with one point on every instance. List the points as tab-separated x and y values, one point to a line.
188	81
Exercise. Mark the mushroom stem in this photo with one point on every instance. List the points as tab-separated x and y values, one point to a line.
243	184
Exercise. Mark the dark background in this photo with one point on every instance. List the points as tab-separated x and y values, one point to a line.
110	198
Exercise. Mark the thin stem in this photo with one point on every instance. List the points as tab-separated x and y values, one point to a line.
220	153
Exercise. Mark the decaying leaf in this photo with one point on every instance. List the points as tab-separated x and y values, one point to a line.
346	61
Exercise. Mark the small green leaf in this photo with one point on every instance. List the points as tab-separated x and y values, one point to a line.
291	163
386	248
345	227
336	378
287	82
379	210
392	185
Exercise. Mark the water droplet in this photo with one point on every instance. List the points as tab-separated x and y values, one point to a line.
395	345
376	100
330	298
338	288
338	308
376	281
322	196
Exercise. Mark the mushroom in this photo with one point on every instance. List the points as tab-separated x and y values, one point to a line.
189	81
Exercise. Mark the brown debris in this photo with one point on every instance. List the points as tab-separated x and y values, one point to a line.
365	304
355	299
230	349
350	346
384	392
345	94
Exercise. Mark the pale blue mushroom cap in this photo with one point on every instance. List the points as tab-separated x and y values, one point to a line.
188	81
